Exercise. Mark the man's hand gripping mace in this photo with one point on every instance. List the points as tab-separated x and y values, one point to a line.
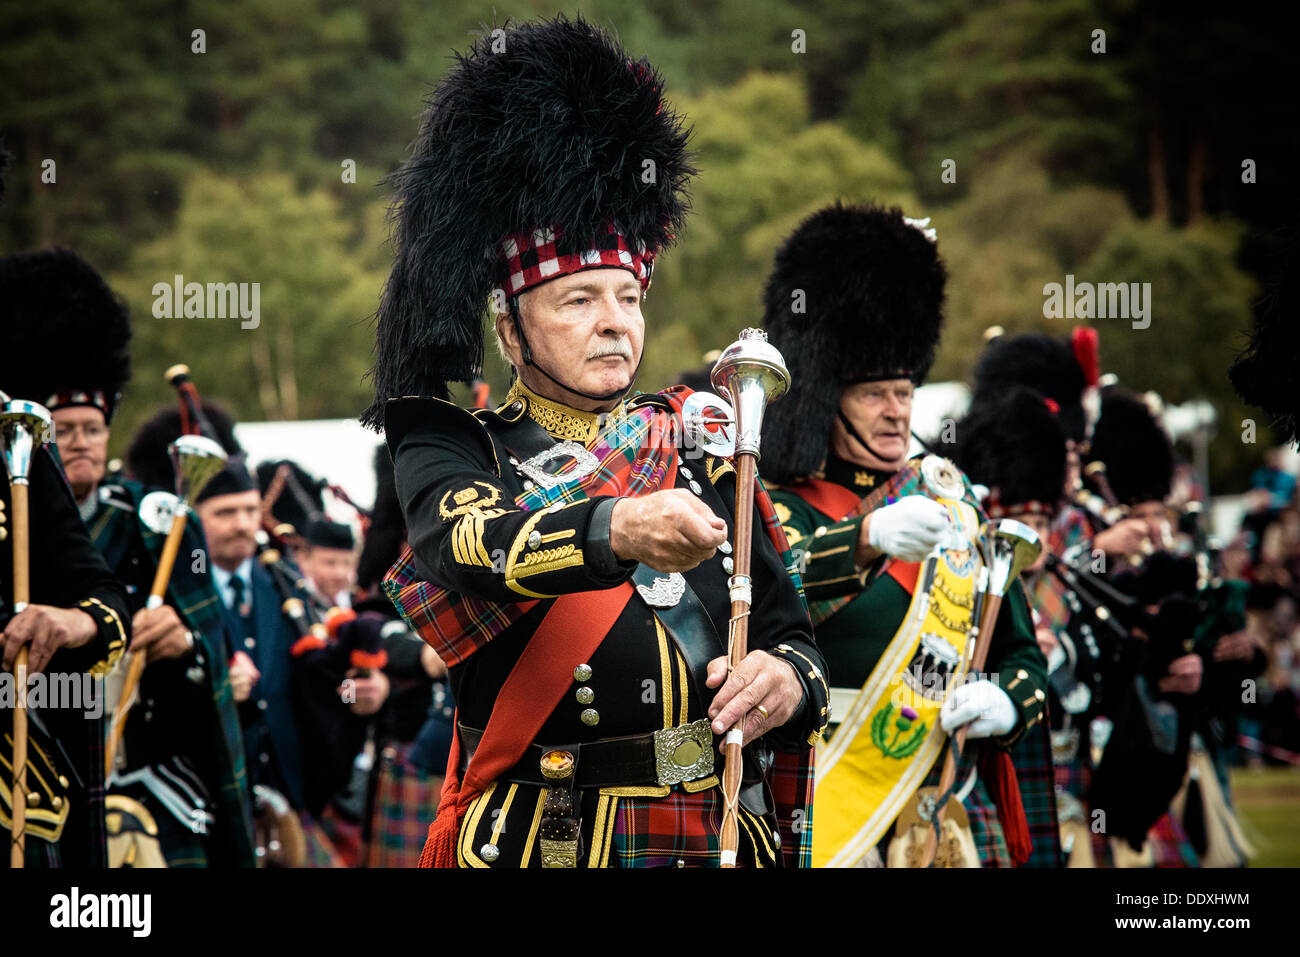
195	460
24	428
749	374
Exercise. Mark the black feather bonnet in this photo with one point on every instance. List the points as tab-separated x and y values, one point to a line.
1134	446
856	294
64	335
1014	444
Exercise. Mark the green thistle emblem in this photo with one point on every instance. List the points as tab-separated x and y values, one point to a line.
908	733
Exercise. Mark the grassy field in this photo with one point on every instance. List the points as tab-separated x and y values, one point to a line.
1268	803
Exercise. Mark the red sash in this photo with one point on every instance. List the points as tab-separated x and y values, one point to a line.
569	634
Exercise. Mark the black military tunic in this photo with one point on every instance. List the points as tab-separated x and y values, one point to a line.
458	476
66	572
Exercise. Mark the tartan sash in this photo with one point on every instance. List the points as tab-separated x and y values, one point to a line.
637	456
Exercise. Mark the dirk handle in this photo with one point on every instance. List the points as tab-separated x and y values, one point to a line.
22	595
171	547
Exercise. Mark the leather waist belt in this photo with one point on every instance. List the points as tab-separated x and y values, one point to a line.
671	756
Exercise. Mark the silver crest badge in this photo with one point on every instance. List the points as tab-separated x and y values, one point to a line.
942	478
583	464
710	424
157	510
664	592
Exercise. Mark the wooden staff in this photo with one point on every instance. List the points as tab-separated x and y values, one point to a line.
750	373
1012	547
196	460
24	427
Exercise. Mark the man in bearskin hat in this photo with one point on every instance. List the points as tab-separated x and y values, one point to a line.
77	622
179	777
854	303
565	561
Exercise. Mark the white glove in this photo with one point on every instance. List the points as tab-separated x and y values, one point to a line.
909	529
984	703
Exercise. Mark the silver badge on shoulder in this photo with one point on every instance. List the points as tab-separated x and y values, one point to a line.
709	424
541	468
942	478
157	510
664	592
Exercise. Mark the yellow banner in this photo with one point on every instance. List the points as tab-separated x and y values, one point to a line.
890	738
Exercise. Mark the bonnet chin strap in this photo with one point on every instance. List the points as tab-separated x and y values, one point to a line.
530	361
848	426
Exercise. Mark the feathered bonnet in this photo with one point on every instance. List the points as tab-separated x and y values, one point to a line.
545	150
64	335
855	295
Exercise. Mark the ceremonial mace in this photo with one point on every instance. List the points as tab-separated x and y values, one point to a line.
196	460
750	373
1012	546
24	428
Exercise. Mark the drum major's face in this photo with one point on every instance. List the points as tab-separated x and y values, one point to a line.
584	329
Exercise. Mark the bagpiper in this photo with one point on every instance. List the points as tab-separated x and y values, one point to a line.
566	561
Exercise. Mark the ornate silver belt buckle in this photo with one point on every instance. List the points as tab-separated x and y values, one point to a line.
664	592
684	753
584	463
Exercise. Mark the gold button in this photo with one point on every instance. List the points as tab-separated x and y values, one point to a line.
1022	674
821	530
590	717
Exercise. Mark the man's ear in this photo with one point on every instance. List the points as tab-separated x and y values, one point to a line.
508	338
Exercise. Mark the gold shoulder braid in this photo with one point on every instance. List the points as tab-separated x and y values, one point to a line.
561	421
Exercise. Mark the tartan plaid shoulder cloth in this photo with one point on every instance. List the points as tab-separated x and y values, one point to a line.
635	454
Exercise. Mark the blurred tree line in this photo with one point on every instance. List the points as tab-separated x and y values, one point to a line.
1100	138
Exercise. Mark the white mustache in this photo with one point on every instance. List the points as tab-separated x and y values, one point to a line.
618	347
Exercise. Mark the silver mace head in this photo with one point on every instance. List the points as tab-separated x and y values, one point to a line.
24	427
196	460
749	374
1015	548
